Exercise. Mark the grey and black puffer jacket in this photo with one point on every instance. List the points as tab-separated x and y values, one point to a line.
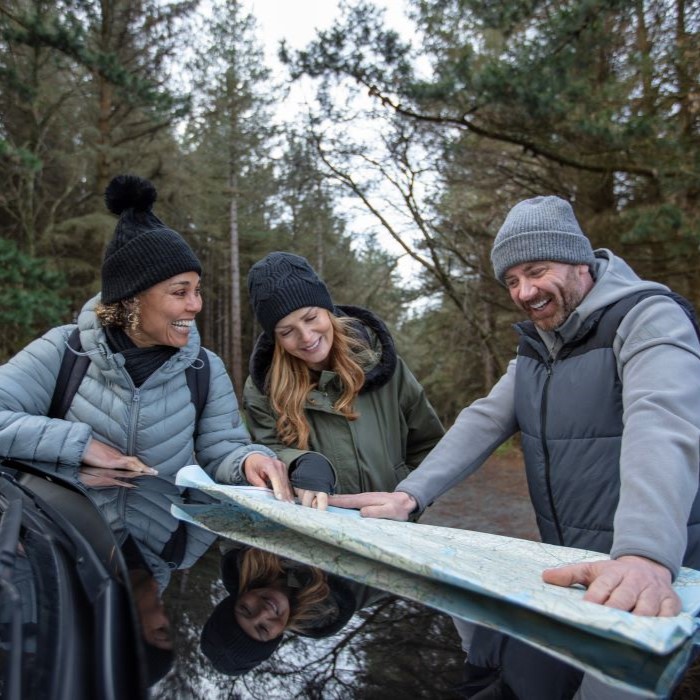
605	406
570	412
622	434
154	422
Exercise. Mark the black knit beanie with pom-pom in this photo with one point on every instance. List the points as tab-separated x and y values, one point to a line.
143	251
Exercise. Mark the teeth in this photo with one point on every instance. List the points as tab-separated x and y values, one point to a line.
182	324
538	305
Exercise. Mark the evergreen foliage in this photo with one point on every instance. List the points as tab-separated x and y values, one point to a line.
596	101
33	298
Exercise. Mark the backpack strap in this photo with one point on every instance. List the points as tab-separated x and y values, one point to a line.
198	383
71	373
175	548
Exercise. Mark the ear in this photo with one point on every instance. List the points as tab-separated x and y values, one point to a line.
585	276
133	313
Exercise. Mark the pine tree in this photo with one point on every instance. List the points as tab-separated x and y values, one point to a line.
230	137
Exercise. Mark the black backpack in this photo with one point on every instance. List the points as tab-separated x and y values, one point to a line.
74	366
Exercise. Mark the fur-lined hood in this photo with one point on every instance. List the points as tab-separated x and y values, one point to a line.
367	323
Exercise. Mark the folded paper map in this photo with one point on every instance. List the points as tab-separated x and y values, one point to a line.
488	579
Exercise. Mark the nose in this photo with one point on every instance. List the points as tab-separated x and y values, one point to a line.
525	290
194	303
272	621
306	335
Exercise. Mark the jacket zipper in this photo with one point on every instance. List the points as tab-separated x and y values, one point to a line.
131	439
545	450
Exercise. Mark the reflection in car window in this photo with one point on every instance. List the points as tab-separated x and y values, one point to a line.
393	647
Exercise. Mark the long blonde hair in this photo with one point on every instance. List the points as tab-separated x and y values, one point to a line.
289	382
258	569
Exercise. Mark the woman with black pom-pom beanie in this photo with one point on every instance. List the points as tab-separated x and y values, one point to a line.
133	420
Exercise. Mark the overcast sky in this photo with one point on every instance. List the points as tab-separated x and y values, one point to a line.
297	20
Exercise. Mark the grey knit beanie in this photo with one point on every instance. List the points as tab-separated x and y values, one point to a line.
541	228
143	251
281	283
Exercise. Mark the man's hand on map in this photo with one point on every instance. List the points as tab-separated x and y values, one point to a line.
377	504
632	583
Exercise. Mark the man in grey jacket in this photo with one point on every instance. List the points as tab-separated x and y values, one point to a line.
605	392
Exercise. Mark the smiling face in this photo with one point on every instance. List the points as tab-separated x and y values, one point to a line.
263	613
167	312
547	292
307	334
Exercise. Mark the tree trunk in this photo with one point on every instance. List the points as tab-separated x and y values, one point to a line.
105	92
236	329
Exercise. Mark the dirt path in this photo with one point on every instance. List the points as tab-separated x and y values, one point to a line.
493	500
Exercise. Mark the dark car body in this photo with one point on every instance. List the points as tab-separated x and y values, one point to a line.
68	626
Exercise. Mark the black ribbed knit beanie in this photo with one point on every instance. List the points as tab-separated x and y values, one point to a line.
143	251
223	641
281	283
229	649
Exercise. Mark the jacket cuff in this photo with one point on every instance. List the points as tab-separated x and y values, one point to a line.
230	471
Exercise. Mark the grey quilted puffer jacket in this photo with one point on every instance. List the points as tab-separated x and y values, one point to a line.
154	422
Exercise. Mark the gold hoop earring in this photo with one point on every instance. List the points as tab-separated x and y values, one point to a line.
133	317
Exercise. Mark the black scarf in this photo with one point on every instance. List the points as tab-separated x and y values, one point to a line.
140	363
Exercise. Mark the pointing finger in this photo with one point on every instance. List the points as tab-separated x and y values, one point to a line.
355	500
568	575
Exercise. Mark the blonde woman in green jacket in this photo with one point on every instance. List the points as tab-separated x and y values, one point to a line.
327	390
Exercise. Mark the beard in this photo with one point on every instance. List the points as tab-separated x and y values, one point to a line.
565	299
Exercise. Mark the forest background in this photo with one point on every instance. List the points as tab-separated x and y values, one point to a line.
434	138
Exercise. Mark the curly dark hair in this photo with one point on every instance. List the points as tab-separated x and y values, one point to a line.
125	313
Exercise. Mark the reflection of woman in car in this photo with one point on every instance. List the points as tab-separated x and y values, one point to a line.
327	390
158	642
133	416
268	596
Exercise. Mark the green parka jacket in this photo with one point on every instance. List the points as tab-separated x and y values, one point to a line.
395	430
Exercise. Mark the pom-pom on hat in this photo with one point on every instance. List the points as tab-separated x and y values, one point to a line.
541	228
281	283
143	250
